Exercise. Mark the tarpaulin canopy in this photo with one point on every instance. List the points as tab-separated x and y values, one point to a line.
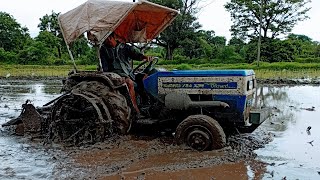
132	22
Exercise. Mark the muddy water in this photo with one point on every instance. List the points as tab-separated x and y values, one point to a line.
20	158
293	153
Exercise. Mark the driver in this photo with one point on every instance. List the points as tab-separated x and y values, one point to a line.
116	57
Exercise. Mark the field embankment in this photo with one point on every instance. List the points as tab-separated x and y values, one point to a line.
263	70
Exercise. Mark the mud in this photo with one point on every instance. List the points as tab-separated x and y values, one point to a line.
132	157
281	147
285	81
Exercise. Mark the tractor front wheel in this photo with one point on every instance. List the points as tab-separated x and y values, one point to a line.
200	132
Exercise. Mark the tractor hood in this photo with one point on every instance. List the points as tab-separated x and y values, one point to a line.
132	22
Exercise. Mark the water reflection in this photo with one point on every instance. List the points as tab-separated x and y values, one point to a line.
278	99
22	159
291	154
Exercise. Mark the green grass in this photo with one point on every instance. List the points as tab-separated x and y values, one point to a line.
289	74
40	70
264	70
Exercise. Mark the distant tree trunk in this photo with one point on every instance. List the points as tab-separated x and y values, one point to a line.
169	52
59	51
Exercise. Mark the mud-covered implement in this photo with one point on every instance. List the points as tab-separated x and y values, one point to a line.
90	112
29	121
198	107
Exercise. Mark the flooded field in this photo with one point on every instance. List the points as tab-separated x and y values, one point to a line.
293	152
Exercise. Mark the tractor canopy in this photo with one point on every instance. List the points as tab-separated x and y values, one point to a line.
131	22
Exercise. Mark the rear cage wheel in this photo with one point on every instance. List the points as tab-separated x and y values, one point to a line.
91	112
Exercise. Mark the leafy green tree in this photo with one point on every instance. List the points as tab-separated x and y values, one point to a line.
272	50
80	47
304	46
35	53
12	36
216	42
211	38
183	28
278	16
7	56
227	54
49	40
238	45
50	23
207	50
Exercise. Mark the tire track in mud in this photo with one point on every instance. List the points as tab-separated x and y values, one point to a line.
132	157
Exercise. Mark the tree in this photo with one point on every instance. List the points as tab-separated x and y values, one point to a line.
304	46
217	43
272	50
50	23
12	36
183	28
50	40
35	53
278	16
237	43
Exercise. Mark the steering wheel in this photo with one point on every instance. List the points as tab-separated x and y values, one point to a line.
147	69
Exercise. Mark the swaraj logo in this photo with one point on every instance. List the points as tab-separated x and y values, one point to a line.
200	85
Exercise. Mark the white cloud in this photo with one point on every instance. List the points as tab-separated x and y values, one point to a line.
212	17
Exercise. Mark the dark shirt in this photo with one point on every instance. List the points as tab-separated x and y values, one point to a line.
118	59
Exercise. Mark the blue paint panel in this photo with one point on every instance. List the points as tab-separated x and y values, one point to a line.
151	83
200	85
205	73
234	101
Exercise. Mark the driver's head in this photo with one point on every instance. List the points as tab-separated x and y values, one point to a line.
111	41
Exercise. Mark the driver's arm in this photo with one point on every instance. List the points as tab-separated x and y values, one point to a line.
135	55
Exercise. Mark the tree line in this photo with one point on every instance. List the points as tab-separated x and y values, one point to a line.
184	39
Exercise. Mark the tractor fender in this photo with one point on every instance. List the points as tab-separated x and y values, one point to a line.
110	79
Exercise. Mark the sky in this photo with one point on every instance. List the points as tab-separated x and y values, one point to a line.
212	16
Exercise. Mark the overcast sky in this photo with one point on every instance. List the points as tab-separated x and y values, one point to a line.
212	17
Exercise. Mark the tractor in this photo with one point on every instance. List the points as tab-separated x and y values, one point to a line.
198	107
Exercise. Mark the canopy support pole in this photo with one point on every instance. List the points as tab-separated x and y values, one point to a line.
71	56
70	53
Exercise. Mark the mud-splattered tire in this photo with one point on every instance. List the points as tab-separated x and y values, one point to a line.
114	100
200	132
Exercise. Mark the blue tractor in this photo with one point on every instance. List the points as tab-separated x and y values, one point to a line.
198	107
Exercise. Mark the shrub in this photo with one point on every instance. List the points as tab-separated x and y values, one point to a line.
308	60
184	67
7	57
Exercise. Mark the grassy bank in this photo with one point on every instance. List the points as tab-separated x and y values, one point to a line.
39	70
263	70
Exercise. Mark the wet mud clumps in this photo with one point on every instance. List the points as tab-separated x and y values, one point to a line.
245	144
130	154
